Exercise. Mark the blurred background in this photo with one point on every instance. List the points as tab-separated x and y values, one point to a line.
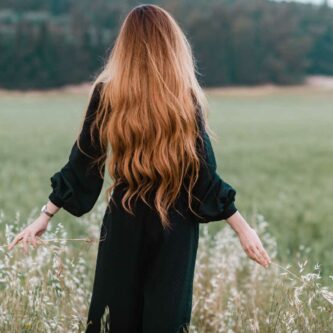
49	43
267	68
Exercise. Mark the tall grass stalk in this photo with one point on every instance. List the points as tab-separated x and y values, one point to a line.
49	289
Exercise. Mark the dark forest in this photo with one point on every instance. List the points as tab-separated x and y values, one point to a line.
50	43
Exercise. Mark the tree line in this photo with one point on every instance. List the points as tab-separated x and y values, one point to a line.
50	43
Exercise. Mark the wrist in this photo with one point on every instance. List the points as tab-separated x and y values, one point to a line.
238	223
45	218
46	213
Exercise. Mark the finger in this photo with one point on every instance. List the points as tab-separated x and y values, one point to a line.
257	257
39	240
17	238
25	242
33	240
264	254
40	232
262	257
267	256
38	237
251	254
262	251
254	258
15	241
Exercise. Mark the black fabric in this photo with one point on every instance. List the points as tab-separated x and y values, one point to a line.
143	274
77	185
216	197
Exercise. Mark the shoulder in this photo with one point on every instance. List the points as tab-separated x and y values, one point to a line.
96	90
94	96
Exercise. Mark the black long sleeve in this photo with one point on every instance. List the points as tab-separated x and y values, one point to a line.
76	187
217	196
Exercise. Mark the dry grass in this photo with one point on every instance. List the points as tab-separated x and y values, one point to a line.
234	294
48	290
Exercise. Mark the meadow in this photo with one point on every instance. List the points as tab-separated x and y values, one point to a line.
274	146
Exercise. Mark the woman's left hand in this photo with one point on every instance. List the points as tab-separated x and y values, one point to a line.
28	235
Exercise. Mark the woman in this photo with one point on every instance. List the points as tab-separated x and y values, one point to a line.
148	108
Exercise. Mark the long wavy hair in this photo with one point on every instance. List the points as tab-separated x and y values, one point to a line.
147	113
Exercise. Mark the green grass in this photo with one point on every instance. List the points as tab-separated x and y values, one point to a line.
275	147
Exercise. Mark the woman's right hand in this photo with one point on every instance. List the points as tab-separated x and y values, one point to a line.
29	234
253	247
249	240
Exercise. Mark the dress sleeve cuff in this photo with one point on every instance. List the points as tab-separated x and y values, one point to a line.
231	210
61	189
56	200
218	203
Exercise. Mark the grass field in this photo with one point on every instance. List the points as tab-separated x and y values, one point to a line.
275	147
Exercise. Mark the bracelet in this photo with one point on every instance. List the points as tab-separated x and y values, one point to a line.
44	210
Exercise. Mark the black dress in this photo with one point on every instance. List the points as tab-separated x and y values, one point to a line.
143	275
